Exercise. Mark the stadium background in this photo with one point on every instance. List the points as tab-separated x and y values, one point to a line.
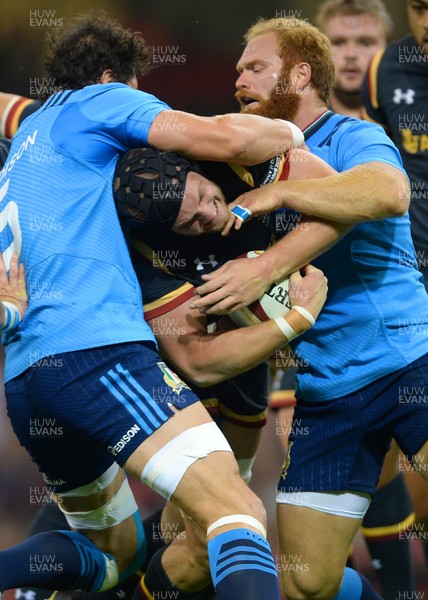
195	46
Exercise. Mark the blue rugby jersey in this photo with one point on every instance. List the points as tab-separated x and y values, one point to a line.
375	320
57	209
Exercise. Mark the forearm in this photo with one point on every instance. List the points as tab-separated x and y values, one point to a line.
243	139
300	247
207	359
367	192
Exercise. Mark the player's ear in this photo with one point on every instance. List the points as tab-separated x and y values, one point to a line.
300	75
107	76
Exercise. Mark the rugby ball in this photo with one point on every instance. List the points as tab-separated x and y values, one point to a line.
274	303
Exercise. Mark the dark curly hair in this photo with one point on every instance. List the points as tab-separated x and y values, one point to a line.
77	55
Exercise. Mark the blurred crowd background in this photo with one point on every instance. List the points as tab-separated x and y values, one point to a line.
196	45
201	38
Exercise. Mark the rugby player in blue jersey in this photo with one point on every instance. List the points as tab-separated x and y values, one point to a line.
395	95
84	356
160	224
368	344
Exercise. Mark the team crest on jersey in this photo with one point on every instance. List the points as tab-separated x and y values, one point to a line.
171	379
286	461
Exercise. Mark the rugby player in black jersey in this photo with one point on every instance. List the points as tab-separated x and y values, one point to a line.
168	264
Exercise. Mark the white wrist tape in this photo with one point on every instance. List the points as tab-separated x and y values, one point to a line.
305	313
286	328
12	317
298	137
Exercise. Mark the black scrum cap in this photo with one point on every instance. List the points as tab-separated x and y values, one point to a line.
148	187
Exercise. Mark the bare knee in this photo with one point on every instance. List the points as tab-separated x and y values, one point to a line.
212	488
306	586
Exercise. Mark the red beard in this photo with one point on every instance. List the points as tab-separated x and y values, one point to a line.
283	103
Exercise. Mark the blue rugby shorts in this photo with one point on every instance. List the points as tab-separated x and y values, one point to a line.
340	444
78	412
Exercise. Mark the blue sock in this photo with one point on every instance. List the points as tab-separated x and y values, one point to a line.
140	553
356	587
56	560
242	566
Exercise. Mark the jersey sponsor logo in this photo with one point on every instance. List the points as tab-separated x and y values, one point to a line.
399	96
31	139
125	439
200	264
171	379
414	142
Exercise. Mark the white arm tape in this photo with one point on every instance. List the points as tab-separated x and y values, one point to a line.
12	317
121	506
286	328
305	313
298	137
165	469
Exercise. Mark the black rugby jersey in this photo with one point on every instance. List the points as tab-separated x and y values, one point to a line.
169	265
395	94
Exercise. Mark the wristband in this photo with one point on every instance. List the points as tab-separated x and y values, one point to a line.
12	317
305	313
297	134
241	213
286	328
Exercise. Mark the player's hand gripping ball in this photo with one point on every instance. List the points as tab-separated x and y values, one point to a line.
274	303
